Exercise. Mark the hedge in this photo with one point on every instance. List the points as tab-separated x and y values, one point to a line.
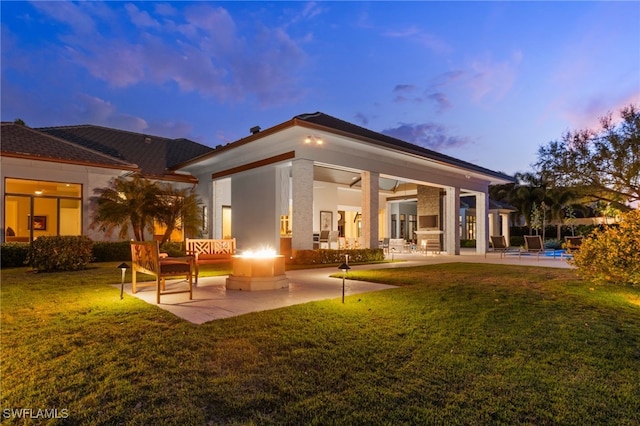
60	253
13	255
325	256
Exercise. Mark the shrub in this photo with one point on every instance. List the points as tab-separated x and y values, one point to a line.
553	244
611	255
174	249
13	254
318	257
60	253
468	243
109	251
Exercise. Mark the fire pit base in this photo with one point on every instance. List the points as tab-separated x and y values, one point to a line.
257	283
257	273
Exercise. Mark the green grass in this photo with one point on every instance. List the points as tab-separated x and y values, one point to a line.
457	344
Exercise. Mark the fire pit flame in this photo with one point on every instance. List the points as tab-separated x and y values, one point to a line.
259	254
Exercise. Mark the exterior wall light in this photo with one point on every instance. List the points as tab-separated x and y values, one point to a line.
309	139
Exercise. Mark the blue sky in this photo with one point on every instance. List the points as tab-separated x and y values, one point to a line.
486	82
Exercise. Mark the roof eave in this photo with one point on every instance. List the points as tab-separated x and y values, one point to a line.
130	167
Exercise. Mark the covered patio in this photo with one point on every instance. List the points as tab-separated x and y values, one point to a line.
283	186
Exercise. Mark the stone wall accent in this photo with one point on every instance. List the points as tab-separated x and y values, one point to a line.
429	203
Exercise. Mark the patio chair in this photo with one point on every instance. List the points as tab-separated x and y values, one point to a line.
323	239
499	245
333	239
533	244
146	259
384	245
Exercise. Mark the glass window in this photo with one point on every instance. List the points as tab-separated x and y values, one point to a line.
36	208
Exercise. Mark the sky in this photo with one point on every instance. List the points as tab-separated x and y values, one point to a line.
485	82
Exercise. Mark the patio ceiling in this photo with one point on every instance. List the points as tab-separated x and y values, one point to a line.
347	177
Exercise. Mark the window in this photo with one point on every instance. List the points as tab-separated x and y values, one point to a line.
471	228
226	221
36	208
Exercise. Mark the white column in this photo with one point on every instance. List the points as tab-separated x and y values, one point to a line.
452	221
482	222
370	206
302	204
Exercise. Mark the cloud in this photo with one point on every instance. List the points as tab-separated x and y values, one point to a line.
91	109
492	80
361	119
427	135
140	18
72	14
586	113
406	93
441	101
200	49
417	35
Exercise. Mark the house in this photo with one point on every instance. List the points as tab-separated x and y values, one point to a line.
278	187
49	174
282	186
499	221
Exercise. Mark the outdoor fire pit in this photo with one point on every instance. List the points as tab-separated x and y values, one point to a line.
255	271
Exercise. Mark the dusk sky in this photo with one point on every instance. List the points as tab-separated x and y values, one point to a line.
486	82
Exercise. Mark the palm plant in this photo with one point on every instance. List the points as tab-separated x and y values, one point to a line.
558	200
177	208
528	193
125	203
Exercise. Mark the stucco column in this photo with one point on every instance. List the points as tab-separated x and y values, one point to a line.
452	221
482	222
370	190
302	204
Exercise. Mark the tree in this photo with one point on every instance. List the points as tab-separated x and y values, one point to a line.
126	203
603	164
559	201
177	208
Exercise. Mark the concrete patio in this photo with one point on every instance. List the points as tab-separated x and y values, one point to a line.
211	300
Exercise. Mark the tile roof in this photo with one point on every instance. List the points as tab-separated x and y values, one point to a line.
153	154
21	141
325	120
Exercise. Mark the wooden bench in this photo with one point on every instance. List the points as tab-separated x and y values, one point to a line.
145	258
208	252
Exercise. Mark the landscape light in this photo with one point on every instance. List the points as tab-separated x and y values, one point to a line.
344	268
123	267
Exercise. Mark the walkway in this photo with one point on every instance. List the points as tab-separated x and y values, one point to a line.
212	301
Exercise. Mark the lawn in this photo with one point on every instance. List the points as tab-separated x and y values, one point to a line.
457	344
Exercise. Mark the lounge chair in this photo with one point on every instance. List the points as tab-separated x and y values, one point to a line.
533	244
499	244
